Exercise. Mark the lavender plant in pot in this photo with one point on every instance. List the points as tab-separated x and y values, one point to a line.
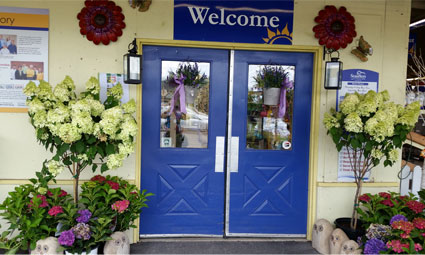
372	129
271	79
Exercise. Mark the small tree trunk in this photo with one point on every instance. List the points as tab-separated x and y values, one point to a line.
76	177
353	224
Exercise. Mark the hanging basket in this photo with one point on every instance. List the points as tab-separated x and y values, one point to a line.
271	96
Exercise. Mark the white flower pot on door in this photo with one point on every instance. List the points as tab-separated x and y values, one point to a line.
271	96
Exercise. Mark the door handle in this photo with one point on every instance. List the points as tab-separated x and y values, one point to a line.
234	154
219	154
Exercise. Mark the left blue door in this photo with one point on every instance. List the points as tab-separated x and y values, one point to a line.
189	193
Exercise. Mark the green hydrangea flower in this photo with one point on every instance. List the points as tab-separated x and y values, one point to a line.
31	89
54	167
42	190
393	155
349	104
330	121
115	160
129	107
93	86
115	91
353	123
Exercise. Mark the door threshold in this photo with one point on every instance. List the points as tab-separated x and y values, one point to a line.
144	238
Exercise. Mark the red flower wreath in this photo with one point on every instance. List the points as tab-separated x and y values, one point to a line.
101	21
336	28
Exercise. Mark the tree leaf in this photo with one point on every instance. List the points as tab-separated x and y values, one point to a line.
104	168
110	149
79	146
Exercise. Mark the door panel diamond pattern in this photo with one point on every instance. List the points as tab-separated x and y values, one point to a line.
285	191
183	171
250	191
266	208
201	190
182	208
164	189
269	173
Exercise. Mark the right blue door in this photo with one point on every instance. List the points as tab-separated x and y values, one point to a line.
269	181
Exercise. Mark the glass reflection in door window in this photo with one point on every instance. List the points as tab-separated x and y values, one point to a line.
270	107
184	104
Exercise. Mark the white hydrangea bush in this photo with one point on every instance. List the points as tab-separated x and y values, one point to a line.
372	126
372	129
81	129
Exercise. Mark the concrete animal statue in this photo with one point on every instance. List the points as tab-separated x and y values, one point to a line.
336	240
322	230
46	246
119	245
350	247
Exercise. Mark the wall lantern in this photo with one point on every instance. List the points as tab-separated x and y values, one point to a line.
333	74
132	65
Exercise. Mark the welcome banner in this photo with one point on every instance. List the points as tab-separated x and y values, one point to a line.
267	22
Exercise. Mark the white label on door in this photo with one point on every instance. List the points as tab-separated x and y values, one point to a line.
166	141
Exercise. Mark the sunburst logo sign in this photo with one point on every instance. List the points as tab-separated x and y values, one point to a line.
278	36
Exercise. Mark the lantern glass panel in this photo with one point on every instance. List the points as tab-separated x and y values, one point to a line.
333	75
125	65
134	68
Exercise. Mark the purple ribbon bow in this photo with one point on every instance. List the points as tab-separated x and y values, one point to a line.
180	93
282	102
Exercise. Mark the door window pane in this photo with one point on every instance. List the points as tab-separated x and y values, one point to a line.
184	104
270	107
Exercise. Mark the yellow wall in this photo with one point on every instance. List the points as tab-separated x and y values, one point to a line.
383	23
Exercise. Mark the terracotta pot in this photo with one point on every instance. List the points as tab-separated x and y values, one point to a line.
271	96
353	234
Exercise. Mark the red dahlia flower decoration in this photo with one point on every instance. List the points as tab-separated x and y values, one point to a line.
101	21
336	28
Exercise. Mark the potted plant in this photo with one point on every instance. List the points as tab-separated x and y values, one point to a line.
81	233
271	79
81	129
394	223
116	198
190	77
371	128
32	212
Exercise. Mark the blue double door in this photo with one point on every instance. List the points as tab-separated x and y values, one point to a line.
213	187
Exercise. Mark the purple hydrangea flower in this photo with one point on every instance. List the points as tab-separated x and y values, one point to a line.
66	238
82	231
398	217
374	246
84	217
